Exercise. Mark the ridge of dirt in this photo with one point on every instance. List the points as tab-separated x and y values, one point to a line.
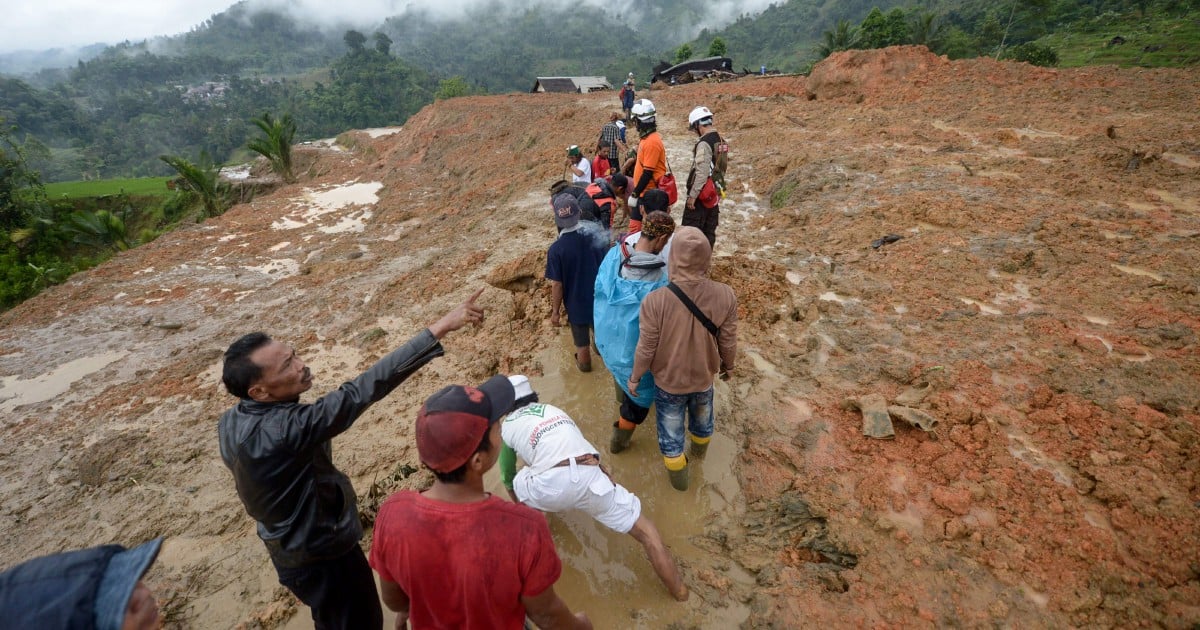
1042	298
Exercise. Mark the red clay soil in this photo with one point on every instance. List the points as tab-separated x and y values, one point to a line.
1041	304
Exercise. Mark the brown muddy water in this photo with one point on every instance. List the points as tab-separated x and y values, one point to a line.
606	574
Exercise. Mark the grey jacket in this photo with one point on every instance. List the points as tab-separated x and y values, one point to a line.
282	460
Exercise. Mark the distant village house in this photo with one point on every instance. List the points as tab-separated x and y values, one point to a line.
568	85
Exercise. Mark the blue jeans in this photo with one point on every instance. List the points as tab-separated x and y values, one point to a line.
671	410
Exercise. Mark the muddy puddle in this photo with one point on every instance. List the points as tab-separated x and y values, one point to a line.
605	574
16	391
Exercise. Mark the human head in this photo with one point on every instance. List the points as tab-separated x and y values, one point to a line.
614	117
566	211
522	391
619	184
100	588
455	424
557	187
644	115
700	117
655	199
691	255
260	368
574	152
602	146
657	227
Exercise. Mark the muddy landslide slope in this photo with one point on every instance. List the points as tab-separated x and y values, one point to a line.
1040	304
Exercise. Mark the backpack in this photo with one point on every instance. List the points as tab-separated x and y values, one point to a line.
601	202
720	164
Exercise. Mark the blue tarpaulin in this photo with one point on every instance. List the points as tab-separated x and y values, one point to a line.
617	304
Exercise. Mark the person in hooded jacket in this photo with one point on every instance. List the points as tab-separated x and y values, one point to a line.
683	353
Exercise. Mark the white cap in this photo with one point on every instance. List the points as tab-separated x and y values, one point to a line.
521	386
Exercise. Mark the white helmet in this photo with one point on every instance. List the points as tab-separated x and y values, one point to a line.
700	115
643	110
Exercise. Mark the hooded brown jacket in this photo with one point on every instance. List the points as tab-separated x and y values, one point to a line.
673	345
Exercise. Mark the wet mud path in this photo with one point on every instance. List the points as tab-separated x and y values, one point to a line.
1041	305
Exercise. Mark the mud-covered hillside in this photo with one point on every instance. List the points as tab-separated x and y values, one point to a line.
1040	304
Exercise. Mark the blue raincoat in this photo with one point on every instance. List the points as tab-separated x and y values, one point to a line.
618	302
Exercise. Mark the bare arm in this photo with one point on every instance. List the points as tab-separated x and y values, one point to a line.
396	600
463	314
556	300
550	612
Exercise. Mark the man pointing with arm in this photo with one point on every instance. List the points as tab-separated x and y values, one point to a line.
281	456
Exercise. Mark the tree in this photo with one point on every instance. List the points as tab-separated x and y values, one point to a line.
20	187
717	48
683	53
383	43
926	30
276	143
842	37
1033	53
202	180
98	229
880	31
453	87
354	41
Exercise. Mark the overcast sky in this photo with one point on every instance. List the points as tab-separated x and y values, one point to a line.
44	24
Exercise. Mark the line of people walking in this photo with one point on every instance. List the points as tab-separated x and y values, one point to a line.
454	555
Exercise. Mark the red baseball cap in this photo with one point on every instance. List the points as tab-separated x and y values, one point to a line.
452	422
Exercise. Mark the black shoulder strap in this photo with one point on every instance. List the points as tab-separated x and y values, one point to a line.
704	320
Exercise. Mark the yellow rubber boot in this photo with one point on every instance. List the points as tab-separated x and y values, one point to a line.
677	470
699	446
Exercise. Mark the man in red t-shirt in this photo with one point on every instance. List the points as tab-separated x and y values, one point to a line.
455	556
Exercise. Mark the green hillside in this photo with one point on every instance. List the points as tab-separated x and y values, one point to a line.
1156	41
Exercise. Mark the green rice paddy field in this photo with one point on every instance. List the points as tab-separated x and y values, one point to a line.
139	186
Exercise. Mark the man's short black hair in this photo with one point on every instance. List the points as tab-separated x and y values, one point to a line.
240	372
524	401
458	475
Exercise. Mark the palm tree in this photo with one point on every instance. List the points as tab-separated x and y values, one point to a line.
276	143
925	31
202	180
844	36
98	229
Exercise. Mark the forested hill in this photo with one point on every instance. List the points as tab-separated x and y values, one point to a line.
794	34
115	114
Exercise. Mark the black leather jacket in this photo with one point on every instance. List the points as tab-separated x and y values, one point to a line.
282	460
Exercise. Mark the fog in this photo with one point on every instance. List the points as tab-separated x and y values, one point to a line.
38	25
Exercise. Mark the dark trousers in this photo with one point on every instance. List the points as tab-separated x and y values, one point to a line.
581	334
632	411
705	219
340	592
